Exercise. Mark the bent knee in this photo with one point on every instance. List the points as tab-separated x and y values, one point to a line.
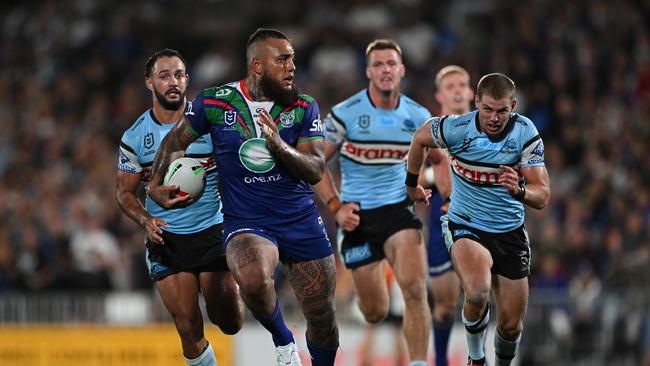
255	283
231	327
375	314
414	291
511	330
478	296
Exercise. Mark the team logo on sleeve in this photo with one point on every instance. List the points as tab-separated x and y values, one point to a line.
255	156
539	149
287	119
148	140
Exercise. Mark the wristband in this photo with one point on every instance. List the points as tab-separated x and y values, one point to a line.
411	179
521	193
334	205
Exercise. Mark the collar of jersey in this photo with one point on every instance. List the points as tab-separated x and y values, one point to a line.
502	134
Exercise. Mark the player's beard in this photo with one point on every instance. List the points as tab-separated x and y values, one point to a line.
275	92
169	105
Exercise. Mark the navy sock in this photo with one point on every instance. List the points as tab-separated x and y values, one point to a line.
321	356
275	324
441	332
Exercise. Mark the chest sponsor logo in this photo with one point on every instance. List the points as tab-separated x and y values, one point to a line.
364	121
475	173
375	153
255	156
229	118
287	119
148	140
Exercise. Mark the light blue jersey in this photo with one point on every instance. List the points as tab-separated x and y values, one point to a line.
478	199
373	144
138	150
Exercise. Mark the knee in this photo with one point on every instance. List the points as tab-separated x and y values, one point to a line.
414	290
477	296
255	281
511	329
231	327
375	312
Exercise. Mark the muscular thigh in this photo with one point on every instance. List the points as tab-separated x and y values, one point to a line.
313	281
406	254
251	252
179	293
370	283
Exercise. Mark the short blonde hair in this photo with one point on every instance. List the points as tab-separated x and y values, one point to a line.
383	44
447	70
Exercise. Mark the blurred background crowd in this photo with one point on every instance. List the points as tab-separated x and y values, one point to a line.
71	81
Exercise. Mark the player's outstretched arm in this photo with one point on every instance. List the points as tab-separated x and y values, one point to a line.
178	139
306	161
537	191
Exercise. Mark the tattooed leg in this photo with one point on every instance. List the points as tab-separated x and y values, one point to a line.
314	283
252	260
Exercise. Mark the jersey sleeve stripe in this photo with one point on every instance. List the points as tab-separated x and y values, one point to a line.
442	130
537	137
127	147
337	119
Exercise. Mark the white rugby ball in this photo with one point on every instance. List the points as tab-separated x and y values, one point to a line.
189	175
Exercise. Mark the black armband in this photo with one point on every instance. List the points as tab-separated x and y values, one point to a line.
411	179
521	193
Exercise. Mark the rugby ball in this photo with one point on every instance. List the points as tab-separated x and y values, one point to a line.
189	175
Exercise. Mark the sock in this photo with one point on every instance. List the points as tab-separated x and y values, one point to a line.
475	332
505	350
205	359
441	333
418	363
321	356
274	323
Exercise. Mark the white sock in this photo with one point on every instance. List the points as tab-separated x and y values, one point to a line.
475	332
418	363
205	359
505	350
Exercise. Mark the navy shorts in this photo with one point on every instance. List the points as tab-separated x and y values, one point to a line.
198	252
437	253
299	238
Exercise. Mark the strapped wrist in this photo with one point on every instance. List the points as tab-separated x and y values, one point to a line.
411	179
521	193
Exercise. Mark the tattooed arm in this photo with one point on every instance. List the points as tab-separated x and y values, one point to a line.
305	162
178	139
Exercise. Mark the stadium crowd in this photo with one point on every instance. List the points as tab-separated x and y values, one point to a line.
71	82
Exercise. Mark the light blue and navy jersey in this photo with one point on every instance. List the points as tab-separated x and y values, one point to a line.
373	144
137	153
478	199
254	185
